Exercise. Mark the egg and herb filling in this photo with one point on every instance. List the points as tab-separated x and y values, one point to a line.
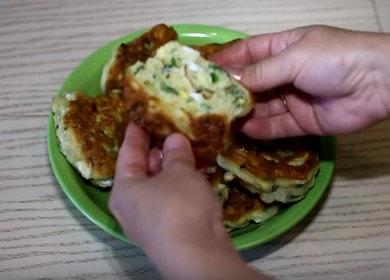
182	76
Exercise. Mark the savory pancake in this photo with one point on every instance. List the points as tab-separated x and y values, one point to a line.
240	206
243	207
279	170
90	132
178	90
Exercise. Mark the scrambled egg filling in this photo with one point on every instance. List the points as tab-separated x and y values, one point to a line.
179	72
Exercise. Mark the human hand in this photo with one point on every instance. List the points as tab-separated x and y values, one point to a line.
340	78
170	210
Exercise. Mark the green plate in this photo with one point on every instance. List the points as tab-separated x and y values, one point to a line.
92	202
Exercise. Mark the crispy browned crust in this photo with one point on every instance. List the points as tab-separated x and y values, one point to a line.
210	137
208	50
239	203
208	132
269	160
138	50
98	125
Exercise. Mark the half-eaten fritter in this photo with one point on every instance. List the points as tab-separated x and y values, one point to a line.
177	90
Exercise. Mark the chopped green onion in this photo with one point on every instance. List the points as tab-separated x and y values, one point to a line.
206	107
214	77
234	91
139	68
168	89
174	62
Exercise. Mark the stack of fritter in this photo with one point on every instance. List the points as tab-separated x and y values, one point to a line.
167	87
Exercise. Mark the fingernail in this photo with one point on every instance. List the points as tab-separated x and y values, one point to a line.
174	141
155	160
235	71
160	154
156	153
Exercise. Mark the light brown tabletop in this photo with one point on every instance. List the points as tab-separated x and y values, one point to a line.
42	235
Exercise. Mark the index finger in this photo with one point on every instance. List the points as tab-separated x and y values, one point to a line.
245	52
257	47
133	155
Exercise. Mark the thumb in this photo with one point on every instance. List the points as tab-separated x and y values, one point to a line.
177	151
270	72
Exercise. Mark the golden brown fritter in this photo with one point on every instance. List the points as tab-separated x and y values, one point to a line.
177	90
242	207
281	170
239	204
292	158
90	132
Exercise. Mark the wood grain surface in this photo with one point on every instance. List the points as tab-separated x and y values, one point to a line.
43	236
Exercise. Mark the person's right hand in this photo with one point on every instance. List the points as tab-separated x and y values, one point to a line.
170	210
340	78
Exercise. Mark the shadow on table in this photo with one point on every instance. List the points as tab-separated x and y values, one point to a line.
126	260
364	154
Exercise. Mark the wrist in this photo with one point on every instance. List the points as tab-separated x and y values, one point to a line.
184	251
380	73
199	253
374	85
198	262
385	90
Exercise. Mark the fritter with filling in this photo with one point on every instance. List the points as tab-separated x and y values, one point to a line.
177	90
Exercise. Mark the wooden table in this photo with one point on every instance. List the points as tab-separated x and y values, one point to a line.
42	235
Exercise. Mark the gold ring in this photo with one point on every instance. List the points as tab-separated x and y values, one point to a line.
284	102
